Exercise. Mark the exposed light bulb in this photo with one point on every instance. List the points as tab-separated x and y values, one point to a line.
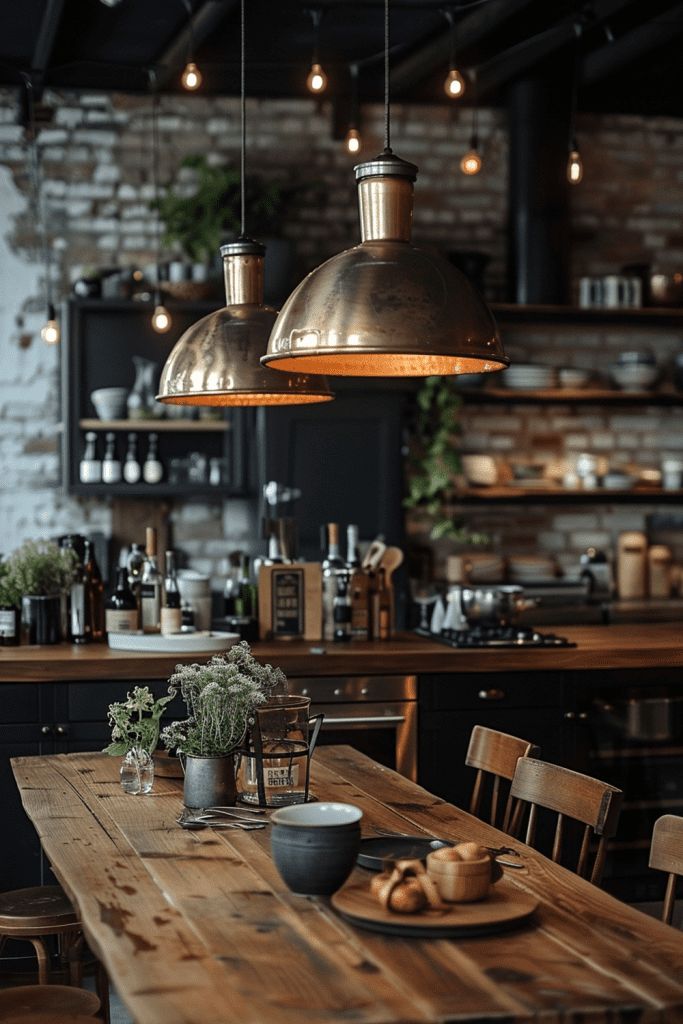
161	319
191	77
471	162
317	79
454	86
352	140
574	167
49	332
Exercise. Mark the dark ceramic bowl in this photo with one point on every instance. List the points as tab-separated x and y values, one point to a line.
315	846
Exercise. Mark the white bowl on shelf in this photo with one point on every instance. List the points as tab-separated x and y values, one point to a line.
570	377
110	403
633	376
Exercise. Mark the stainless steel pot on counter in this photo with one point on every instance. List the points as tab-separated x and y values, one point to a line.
493	606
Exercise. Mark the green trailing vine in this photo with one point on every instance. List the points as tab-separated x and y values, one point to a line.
434	460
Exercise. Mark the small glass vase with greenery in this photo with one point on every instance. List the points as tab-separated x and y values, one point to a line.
135	726
221	698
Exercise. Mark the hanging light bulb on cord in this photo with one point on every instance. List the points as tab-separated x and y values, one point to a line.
574	161
191	78
454	85
162	320
472	161
316	81
352	140
574	164
50	332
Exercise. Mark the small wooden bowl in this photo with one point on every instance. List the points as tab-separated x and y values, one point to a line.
460	881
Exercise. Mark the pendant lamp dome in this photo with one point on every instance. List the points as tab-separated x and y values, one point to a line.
217	360
385	308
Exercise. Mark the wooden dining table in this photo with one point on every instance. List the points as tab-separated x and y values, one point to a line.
198	927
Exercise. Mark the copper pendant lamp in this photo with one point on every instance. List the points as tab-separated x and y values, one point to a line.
216	361
385	308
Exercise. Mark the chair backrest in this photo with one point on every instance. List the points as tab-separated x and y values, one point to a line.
593	803
666	854
495	754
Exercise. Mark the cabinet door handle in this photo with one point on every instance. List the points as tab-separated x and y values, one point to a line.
491	694
61	730
46	730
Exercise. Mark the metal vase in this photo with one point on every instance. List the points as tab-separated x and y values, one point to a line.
209	781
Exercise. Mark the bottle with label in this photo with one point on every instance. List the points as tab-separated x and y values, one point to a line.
111	465
152	470
357	586
352	553
135	565
95	592
380	606
79	613
150	585
90	467
121	610
171	613
9	625
342	609
132	471
333	565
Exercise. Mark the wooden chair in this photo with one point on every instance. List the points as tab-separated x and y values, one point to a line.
593	803
666	854
52	1001
495	754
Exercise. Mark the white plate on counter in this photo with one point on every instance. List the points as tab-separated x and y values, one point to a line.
174	643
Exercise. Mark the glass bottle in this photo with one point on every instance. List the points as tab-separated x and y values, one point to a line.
90	467
95	593
150	585
171	613
79	617
111	466
352	553
380	606
333	565
135	564
121	609
9	625
342	609
132	471
152	470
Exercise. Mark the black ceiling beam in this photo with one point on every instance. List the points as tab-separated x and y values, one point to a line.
626	49
472	28
519	59
205	20
45	42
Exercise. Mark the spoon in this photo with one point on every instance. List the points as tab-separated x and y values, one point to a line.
195	824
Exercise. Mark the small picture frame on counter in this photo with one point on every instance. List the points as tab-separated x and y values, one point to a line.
290	601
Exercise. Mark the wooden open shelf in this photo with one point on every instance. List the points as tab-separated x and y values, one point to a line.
654	316
560	495
573	396
158	426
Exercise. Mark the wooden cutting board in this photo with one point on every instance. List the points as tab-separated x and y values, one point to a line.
506	907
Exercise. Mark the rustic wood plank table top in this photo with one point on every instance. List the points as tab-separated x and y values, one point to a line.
198	928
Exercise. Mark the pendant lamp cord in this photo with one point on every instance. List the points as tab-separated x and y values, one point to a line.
243	109
576	70
387	118
190	30
36	175
152	77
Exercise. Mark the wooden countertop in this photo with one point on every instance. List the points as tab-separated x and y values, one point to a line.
199	926
644	645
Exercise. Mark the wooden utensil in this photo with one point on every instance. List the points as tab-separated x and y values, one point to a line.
374	554
390	561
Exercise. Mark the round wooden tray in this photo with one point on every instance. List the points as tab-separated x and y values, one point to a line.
505	908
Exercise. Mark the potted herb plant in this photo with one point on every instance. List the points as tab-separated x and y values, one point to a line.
221	698
134	736
40	573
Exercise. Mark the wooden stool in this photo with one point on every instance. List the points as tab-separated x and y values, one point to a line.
32	914
593	803
666	854
496	754
47	1000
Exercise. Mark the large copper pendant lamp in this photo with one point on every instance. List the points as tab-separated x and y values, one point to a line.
385	308
216	361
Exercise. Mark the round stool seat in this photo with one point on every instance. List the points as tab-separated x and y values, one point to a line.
35	909
49	1000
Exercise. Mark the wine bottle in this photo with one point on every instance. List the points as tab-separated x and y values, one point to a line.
135	564
171	614
342	609
111	466
95	593
121	610
150	585
380	606
79	619
333	565
352	553
152	470
90	467
132	471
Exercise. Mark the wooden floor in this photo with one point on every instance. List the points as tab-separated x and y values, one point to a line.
197	927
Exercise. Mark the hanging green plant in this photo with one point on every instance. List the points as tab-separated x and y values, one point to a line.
433	460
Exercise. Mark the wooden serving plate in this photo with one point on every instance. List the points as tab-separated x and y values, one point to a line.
504	908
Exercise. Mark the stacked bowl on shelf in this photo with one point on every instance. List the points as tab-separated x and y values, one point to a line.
529	377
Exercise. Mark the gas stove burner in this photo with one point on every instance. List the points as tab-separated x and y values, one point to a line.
496	636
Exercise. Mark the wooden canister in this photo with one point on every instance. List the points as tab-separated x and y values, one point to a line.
659	559
632	565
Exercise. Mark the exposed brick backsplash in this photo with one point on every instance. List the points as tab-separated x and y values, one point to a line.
96	163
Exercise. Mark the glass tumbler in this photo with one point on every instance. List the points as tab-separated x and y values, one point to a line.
277	761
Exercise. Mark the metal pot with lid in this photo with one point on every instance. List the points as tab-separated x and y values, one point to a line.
493	606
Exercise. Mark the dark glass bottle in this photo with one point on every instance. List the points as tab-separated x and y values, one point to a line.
171	614
79	611
121	610
9	625
95	593
136	563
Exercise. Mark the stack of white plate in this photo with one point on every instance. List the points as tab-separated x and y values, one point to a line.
529	377
531	569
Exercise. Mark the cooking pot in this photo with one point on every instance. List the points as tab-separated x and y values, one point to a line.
493	606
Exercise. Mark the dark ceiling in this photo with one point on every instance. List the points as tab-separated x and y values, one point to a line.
629	50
